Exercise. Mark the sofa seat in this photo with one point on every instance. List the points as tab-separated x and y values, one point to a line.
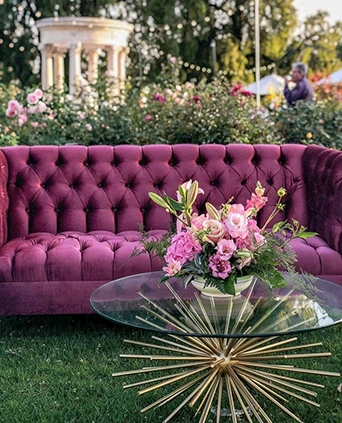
103	255
76	256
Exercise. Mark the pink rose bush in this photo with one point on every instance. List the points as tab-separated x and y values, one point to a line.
35	105
223	244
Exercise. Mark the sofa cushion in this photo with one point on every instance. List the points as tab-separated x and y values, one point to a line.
316	257
104	256
76	256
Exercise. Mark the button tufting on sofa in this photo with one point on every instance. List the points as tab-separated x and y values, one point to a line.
59	244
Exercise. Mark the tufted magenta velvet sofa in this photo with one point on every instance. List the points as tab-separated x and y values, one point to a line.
69	215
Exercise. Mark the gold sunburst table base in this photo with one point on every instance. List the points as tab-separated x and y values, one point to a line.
209	372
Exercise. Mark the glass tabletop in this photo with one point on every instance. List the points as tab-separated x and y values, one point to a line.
142	302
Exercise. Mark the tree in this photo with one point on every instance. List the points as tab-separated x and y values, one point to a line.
319	43
181	28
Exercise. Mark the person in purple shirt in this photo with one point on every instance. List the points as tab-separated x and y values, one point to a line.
302	90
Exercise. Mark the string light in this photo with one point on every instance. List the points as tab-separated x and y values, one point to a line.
209	70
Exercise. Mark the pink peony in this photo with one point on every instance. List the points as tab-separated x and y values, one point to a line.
32	98
173	60
148	118
88	126
172	268
220	266
183	248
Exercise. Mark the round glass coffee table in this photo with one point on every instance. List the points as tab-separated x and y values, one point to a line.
219	351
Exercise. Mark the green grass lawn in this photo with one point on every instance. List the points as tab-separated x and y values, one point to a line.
57	369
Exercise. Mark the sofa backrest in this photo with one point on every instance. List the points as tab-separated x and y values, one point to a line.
78	188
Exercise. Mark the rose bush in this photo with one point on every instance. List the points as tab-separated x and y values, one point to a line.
167	112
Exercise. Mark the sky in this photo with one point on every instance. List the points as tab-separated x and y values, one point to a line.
310	7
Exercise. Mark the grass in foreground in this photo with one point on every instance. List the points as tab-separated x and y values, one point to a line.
57	369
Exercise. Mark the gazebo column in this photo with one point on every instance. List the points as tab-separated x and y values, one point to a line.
93	63
58	62
122	66
74	67
113	61
46	66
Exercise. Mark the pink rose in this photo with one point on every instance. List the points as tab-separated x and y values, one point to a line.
159	97
42	107
32	98
38	93
88	126
13	105
11	112
33	109
34	124
216	228
22	119
197	222
148	118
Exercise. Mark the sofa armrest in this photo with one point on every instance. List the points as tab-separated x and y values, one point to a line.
323	176
4	201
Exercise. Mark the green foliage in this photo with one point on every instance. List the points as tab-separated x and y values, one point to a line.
154	247
317	122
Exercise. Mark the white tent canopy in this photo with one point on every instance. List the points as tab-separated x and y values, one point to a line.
269	84
334	78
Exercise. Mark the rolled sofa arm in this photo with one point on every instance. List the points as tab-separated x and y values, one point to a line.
323	176
4	201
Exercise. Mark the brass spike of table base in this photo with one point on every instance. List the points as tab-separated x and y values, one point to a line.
207	365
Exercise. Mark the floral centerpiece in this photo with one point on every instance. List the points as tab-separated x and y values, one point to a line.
226	243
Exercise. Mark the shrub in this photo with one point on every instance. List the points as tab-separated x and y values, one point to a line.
166	112
316	122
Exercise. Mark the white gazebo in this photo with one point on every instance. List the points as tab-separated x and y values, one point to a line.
74	36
